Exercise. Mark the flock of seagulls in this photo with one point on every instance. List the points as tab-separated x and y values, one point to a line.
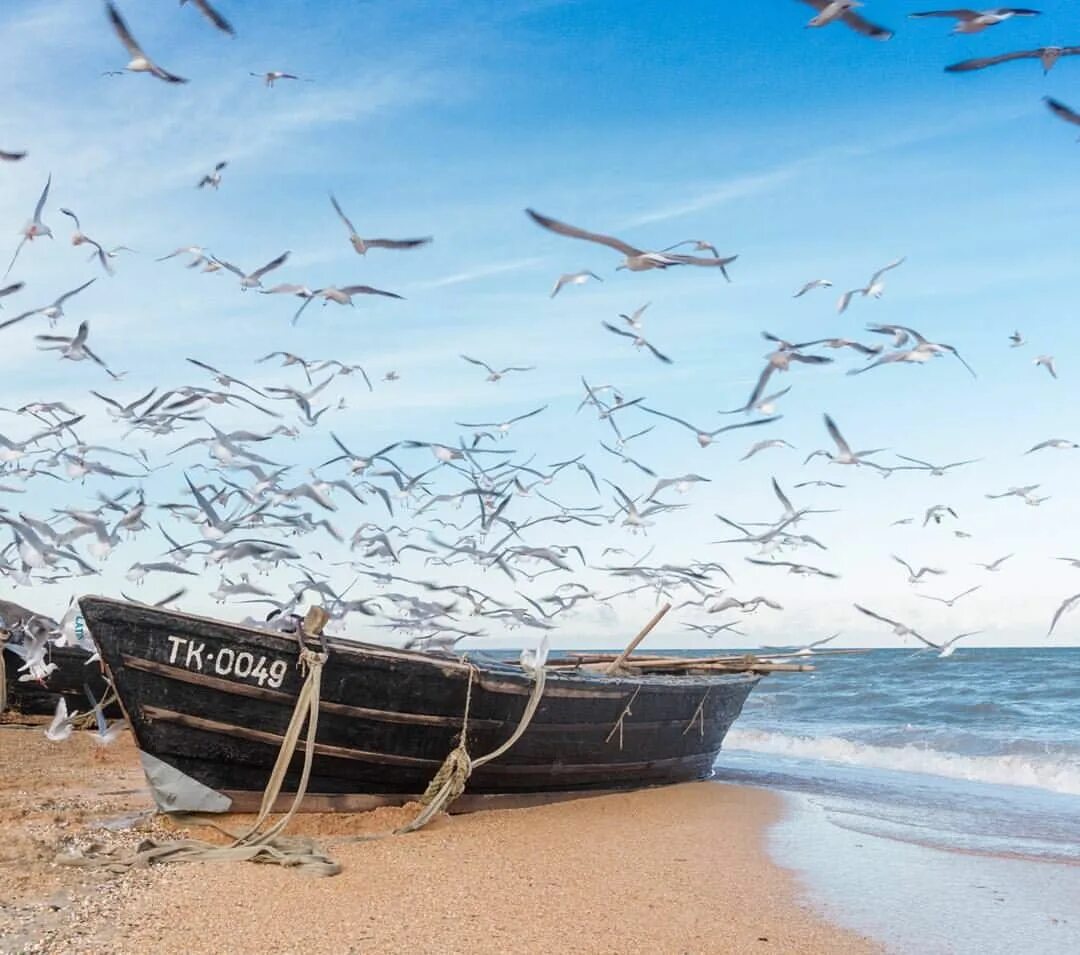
967	22
199	487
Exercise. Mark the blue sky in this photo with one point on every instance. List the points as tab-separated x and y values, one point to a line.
809	153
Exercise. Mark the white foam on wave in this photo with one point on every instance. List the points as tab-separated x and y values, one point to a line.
1055	775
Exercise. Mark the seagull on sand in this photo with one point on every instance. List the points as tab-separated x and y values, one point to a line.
140	62
1060	443
844	453
494	375
949	601
35	227
272	76
947	648
213	179
362	245
52	312
1066	605
254	279
975	21
813	284
74	349
203	6
829	11
1061	111
1047	361
638	341
705	438
1046	55
900	629
634	259
874	288
573	278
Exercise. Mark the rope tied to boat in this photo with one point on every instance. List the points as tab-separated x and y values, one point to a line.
256	844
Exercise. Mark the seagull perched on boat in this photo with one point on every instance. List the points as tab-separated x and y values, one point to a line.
898	628
140	62
213	179
35	227
362	245
634	259
573	278
203	6
844	453
830	11
1046	55
949	601
811	285
975	21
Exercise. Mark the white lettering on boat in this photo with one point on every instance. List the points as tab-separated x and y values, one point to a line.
242	664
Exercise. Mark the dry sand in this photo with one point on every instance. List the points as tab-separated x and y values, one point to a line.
678	870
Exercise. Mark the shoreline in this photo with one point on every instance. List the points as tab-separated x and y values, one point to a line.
678	869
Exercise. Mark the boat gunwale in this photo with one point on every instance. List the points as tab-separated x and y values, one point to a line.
489	673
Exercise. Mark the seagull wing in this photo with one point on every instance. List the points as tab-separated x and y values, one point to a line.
745	424
876	616
960	14
834	433
1067	604
40	207
664	358
344	218
784	502
880	272
573	232
227	265
397	243
368	290
270	266
671	417
982	62
1061	111
865	27
528	414
203	6
123	32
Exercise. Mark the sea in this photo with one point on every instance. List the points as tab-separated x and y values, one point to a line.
935	803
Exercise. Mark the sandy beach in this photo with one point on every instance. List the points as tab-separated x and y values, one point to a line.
680	869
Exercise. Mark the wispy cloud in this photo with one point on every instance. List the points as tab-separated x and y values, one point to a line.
482	272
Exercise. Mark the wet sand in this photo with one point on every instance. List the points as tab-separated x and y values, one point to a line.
680	869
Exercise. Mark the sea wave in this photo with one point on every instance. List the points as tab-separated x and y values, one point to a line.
1060	775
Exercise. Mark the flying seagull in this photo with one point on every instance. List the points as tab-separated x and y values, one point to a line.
35	227
1047	361
573	278
949	601
203	6
1059	443
362	245
140	62
74	349
272	76
496	375
634	259
638	341
844	453
898	628
8	156
1016	339
213	179
809	286
1067	604
1046	55
705	438
829	11
874	288
947	648
253	279
975	21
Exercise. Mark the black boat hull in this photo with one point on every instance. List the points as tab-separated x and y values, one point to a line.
212	700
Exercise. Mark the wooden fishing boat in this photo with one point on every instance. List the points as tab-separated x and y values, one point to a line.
209	703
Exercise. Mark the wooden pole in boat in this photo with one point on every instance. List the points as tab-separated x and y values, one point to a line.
615	664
